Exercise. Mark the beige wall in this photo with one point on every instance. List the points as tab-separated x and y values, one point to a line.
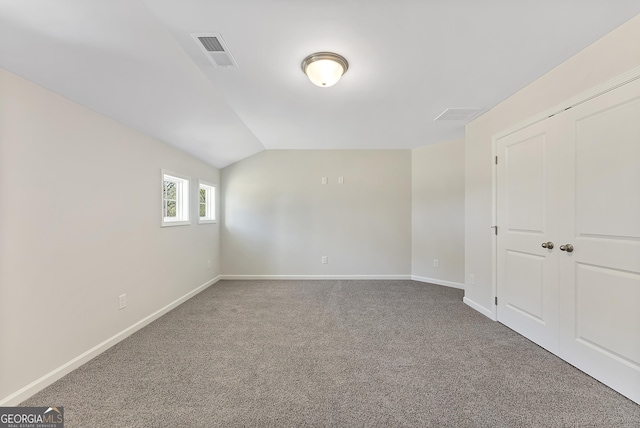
80	225
280	220
438	213
611	56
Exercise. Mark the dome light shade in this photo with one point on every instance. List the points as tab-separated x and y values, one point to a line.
324	69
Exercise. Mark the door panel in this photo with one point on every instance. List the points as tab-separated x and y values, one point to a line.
600	279
527	272
608	170
525	181
524	274
594	326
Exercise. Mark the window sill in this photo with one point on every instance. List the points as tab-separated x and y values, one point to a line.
175	223
207	221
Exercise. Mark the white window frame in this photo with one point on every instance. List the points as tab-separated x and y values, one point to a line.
210	205
182	199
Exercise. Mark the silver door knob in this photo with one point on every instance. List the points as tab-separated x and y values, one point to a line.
547	245
567	247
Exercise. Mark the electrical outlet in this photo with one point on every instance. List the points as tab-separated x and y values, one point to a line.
208	264
340	180
325	260
472	279
436	263
122	301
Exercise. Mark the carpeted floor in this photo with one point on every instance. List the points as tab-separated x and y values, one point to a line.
331	353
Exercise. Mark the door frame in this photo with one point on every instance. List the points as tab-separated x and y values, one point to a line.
623	79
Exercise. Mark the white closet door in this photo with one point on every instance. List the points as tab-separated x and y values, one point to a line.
527	218
600	279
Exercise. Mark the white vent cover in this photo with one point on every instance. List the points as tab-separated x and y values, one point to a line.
462	114
214	47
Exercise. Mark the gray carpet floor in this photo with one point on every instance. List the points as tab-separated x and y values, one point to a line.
331	353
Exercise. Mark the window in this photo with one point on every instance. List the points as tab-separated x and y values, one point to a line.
207	203
175	199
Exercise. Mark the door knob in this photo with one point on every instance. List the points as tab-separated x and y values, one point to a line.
547	245
568	248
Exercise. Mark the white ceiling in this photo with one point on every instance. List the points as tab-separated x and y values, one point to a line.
135	61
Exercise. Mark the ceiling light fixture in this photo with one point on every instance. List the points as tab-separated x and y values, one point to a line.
324	69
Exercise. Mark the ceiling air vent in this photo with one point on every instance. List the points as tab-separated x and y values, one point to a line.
215	48
461	114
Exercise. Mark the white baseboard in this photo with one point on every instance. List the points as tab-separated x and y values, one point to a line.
317	277
438	282
346	277
484	311
46	380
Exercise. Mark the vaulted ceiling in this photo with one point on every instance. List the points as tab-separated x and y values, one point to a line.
136	62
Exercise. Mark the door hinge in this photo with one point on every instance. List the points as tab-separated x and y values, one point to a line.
495	229
496	160
496	300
